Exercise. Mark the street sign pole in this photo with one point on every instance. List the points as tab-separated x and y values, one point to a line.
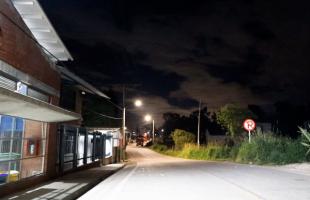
249	136
249	125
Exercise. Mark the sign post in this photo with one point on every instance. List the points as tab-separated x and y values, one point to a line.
249	136
249	125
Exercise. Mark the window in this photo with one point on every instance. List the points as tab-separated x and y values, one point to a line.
7	83
22	147
21	88
38	95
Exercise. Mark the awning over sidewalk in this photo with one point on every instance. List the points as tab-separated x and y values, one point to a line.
41	28
18	105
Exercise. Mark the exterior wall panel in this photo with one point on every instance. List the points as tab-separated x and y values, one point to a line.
23	53
20	51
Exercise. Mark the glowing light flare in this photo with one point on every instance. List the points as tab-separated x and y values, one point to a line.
147	117
138	103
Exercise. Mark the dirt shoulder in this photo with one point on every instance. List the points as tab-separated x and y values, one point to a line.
298	168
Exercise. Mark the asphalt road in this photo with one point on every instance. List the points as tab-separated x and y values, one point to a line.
150	175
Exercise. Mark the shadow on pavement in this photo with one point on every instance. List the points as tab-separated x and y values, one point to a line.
70	186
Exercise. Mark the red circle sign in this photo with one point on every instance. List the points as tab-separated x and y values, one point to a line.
249	125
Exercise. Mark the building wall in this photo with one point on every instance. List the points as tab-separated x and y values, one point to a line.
51	146
21	52
34	134
71	99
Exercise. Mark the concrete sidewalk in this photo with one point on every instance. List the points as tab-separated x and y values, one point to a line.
70	186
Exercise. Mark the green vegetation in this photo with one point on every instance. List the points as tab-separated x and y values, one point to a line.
271	150
210	152
231	117
306	137
264	149
181	137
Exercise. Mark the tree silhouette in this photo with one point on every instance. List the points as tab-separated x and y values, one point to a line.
190	123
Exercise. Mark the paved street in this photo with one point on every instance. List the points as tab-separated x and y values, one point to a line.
150	175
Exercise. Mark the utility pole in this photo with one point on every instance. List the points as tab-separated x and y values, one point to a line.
124	126
198	128
123	146
153	132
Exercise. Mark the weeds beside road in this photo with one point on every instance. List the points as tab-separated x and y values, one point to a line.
264	149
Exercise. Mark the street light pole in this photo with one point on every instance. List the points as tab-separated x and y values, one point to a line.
138	103
124	127
124	120
153	131
149	118
198	128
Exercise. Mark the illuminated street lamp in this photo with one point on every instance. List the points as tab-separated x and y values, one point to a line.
138	103
149	118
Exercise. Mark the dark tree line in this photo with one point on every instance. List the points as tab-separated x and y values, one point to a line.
190	123
284	119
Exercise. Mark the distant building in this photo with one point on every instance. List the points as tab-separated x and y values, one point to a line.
264	127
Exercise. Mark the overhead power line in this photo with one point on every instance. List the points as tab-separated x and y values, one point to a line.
106	116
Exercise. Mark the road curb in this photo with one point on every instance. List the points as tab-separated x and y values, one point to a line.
92	184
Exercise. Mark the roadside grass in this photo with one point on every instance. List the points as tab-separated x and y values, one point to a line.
264	149
191	151
272	150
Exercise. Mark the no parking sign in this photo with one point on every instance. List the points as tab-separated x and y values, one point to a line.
249	125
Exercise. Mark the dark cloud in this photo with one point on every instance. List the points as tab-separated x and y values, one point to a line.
177	52
243	72
118	66
156	82
201	46
186	103
258	30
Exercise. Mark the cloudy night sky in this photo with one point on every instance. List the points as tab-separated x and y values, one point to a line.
173	53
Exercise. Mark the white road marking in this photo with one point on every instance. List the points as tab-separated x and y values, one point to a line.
119	187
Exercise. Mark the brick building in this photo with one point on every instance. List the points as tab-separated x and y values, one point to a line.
40	133
29	95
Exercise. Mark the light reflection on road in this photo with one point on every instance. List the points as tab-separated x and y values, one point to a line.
150	175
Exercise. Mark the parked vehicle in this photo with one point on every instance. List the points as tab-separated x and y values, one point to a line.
139	140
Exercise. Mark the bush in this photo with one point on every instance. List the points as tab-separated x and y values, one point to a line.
306	137
264	149
181	137
210	152
247	152
271	150
159	147
234	152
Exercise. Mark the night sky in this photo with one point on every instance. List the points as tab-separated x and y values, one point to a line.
173	53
